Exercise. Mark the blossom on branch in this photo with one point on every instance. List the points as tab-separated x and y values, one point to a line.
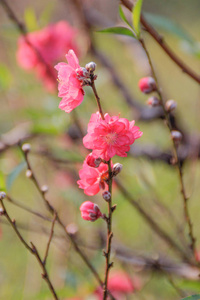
93	179
112	136
90	211
70	77
40	50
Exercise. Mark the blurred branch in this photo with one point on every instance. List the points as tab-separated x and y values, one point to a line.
22	29
156	228
159	39
53	211
32	250
50	239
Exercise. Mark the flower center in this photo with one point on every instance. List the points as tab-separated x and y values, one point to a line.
110	138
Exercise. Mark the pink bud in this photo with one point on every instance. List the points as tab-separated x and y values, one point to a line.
147	85
153	101
82	73
91	66
90	211
106	195
93	160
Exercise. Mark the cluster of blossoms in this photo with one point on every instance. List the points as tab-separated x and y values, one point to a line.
106	135
40	50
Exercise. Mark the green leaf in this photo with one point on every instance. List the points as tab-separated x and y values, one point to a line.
123	17
169	26
136	16
30	19
118	30
193	297
14	174
46	14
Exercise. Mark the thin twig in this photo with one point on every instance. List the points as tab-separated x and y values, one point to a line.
107	253
32	250
177	161
70	236
50	239
156	228
159	39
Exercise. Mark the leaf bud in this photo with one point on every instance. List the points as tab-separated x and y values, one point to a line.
106	195
26	147
29	173
2	195
91	66
44	189
176	136
116	169
153	101
170	105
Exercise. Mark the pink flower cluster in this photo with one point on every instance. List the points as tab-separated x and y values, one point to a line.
107	136
45	47
111	136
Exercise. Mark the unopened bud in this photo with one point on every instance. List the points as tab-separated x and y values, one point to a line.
93	161
29	173
2	211
2	195
82	73
176	135
90	211
153	101
91	66
44	188
72	228
170	105
116	169
106	195
147	85
26	147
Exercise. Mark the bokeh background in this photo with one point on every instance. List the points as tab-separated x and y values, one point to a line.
29	112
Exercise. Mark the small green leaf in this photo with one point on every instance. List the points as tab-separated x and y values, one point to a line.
30	19
14	174
5	77
46	14
136	16
118	30
123	17
193	297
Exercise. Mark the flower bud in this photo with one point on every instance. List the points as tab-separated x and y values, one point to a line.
176	135
2	195
116	169
93	161
91	66
26	147
29	173
82	73
170	105
72	228
153	101
147	85
44	188
90	211
106	195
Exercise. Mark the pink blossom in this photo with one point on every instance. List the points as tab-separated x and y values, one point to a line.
93	160
93	179
70	87
90	211
120	284
112	136
48	46
147	85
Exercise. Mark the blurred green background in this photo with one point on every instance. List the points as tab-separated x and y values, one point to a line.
30	109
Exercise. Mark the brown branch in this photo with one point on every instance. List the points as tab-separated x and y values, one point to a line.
156	228
32	249
53	211
159	39
50	239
